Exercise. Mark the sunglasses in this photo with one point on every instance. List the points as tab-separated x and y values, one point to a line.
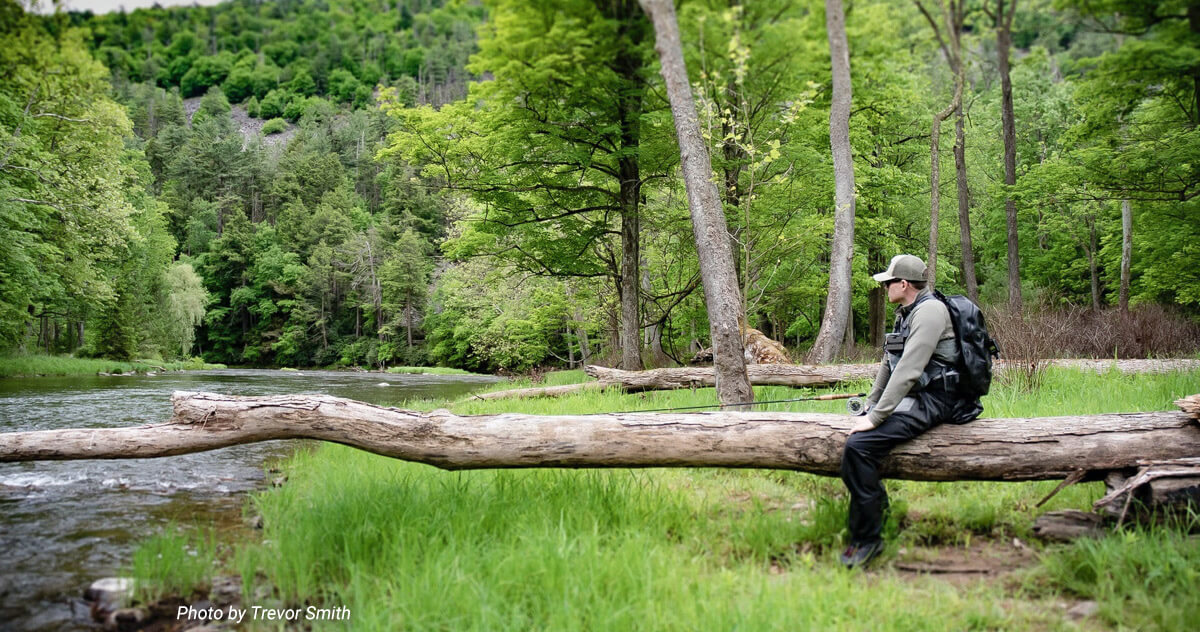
887	284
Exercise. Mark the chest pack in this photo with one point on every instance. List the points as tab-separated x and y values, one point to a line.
975	347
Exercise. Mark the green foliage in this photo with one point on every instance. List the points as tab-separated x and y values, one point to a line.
324	250
66	183
498	324
204	73
273	104
274	126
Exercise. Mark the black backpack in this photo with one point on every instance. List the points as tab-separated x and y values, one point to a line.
975	347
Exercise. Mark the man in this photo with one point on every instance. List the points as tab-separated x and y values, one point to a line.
913	392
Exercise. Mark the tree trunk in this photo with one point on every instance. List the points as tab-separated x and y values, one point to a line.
721	293
952	19
810	442
1095	273
631	350
408	317
1126	253
1003	22
629	66
964	200
837	305
876	307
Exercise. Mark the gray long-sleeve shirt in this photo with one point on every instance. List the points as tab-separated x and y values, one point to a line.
929	332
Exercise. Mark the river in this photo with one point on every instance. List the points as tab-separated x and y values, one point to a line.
64	524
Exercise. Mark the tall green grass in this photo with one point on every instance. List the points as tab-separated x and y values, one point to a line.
1142	579
408	546
174	562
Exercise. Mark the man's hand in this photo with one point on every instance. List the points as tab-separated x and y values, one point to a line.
862	425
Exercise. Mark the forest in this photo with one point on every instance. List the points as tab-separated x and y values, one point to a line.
496	186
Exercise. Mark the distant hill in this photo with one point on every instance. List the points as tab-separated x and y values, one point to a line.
278	52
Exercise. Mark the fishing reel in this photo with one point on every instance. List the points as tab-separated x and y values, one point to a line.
856	405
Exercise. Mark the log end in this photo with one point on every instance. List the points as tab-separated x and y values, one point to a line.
1190	405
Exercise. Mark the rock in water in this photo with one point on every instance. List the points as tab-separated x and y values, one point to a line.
107	595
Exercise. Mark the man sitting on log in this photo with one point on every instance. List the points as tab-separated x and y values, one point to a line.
914	390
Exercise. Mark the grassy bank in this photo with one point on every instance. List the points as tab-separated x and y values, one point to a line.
429	370
411	547
40	365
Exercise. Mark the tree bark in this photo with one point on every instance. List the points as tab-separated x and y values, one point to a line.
964	200
1003	22
1092	267
1126	253
630	66
812	442
721	293
837	304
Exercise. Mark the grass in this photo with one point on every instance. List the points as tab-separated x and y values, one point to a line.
407	546
174	562
430	370
1142	579
42	365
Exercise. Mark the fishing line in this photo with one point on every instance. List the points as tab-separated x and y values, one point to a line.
830	397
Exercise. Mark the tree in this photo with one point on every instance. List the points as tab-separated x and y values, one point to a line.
837	307
727	321
950	43
65	215
405	280
553	150
951	15
185	300
1002	19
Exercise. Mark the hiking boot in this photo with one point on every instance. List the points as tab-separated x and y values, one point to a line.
857	555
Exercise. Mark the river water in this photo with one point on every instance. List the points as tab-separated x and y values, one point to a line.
64	524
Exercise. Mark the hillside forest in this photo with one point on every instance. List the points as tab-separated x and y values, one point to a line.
495	186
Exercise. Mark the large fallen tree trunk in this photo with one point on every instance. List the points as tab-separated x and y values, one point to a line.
987	449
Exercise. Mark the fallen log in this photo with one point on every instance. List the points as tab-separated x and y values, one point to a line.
794	375
760	375
798	375
987	449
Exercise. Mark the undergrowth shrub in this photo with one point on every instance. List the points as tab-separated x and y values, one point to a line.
1040	332
274	126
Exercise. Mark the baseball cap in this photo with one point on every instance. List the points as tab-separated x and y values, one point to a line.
905	267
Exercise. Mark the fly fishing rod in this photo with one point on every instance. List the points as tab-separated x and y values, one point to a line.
854	405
